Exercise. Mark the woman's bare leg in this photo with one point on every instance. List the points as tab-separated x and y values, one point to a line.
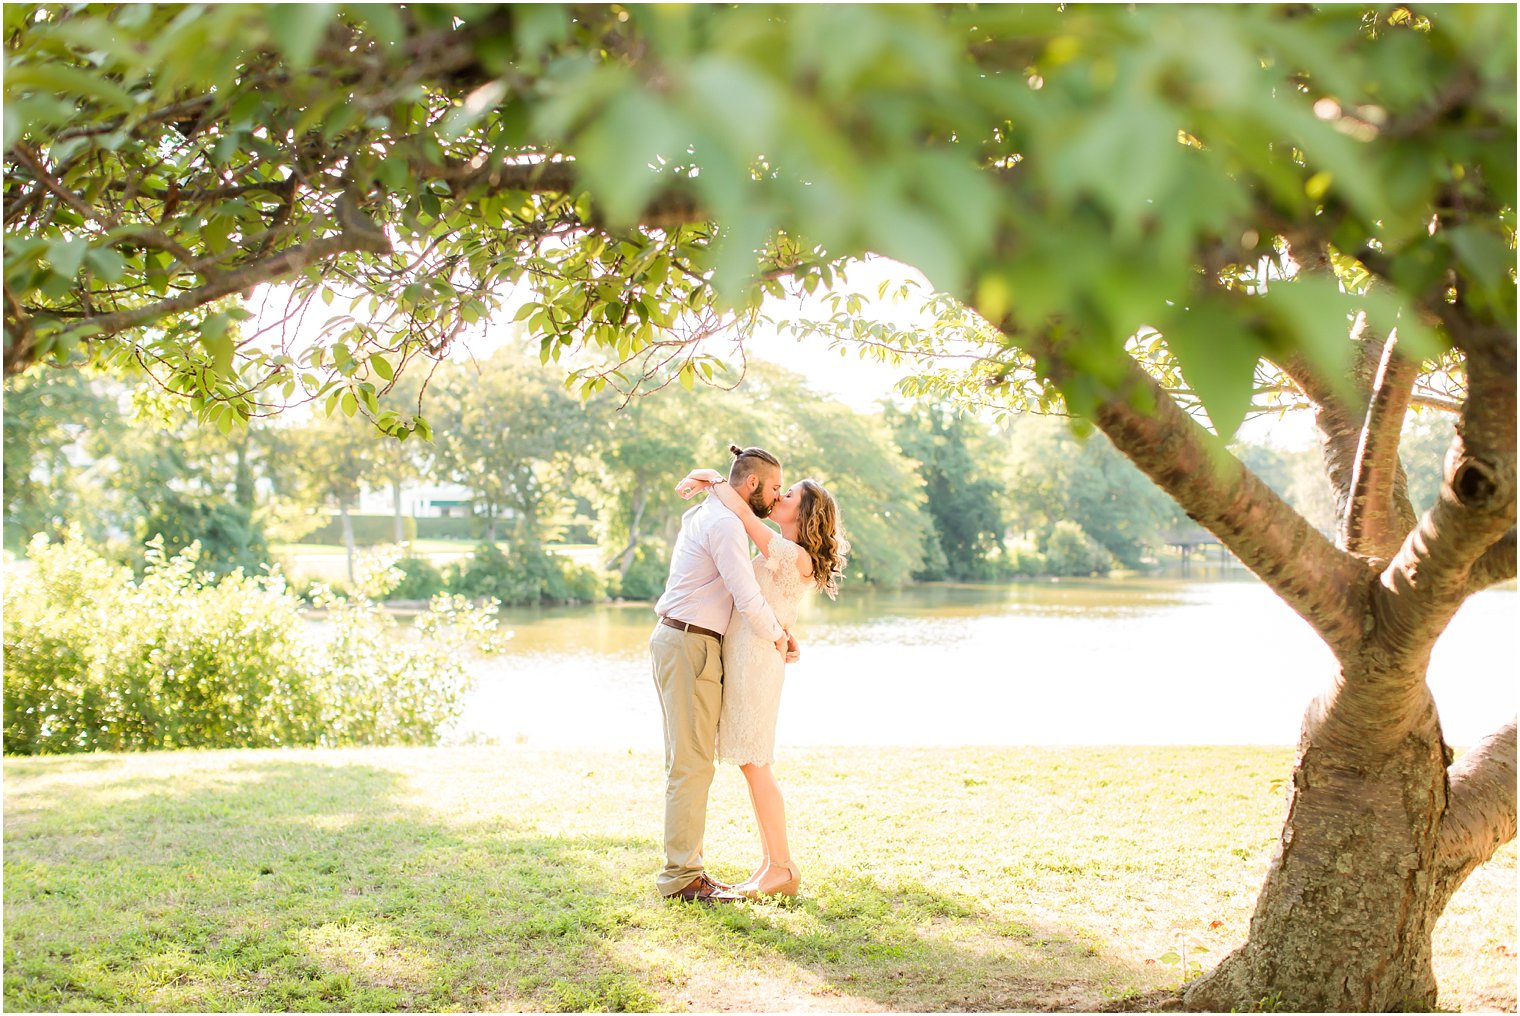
765	854
770	815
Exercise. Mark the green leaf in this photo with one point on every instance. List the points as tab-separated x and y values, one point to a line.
381	366
349	404
217	342
60	78
1485	259
475	106
298	29
621	149
1218	360
66	256
107	264
1312	314
383	21
392	173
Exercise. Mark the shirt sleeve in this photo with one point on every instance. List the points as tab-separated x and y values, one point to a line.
726	543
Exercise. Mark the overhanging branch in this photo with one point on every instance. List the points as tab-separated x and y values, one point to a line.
279	266
1323	584
673	206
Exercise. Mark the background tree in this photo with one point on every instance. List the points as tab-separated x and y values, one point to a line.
403	462
1133	213
641	451
1298	477
510	434
329	460
1055	476
46	417
964	497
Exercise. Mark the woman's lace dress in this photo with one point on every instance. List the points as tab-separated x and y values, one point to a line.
752	668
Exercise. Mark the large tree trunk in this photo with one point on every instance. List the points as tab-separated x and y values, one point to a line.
1381	828
1344	919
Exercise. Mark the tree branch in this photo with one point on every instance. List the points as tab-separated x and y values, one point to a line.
1480	810
1322	584
22	154
1432	573
1342	429
1496	565
671	207
1373	521
285	263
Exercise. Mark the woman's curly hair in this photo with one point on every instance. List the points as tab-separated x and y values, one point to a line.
821	537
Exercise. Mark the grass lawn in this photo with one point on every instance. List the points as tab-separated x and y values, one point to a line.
509	879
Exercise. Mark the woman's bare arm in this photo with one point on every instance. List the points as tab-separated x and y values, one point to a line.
711	479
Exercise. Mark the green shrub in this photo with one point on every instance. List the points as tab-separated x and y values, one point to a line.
228	536
451	528
1070	551
420	580
524	574
582	583
97	661
645	579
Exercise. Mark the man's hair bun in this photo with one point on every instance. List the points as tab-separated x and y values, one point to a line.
735	450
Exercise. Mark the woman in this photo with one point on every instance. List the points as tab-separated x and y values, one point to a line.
808	553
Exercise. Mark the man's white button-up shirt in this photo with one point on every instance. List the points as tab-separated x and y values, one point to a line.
710	574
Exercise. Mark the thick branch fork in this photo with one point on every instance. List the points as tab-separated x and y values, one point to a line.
1468	534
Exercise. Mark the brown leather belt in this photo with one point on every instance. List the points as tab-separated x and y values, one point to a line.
694	629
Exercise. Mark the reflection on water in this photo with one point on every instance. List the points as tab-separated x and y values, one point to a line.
1135	661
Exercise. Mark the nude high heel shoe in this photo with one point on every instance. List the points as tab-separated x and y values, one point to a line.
786	888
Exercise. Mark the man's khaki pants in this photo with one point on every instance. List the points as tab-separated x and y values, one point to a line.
688	671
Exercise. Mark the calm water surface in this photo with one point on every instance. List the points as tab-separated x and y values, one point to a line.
1113	661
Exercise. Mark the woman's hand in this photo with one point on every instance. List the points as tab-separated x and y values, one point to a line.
698	480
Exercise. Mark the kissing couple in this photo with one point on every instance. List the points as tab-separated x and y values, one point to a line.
719	655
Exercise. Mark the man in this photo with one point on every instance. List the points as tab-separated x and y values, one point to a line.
710	574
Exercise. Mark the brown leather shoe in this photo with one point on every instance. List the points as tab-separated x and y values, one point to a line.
703	890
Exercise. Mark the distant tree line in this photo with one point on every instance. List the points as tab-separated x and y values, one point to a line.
928	493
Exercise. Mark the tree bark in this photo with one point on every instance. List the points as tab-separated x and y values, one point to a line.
1481	816
348	537
625	557
1344	919
1378	834
400	529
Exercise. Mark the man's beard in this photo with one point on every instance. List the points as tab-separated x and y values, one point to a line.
758	504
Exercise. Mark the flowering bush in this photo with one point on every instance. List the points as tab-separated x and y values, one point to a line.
97	662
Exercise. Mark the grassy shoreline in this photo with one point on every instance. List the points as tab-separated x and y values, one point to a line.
515	879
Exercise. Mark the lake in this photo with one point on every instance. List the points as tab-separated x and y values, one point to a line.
1216	660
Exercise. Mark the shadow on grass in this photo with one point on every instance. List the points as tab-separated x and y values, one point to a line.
906	946
286	884
278	885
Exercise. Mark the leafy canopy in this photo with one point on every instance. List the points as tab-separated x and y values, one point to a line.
648	174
